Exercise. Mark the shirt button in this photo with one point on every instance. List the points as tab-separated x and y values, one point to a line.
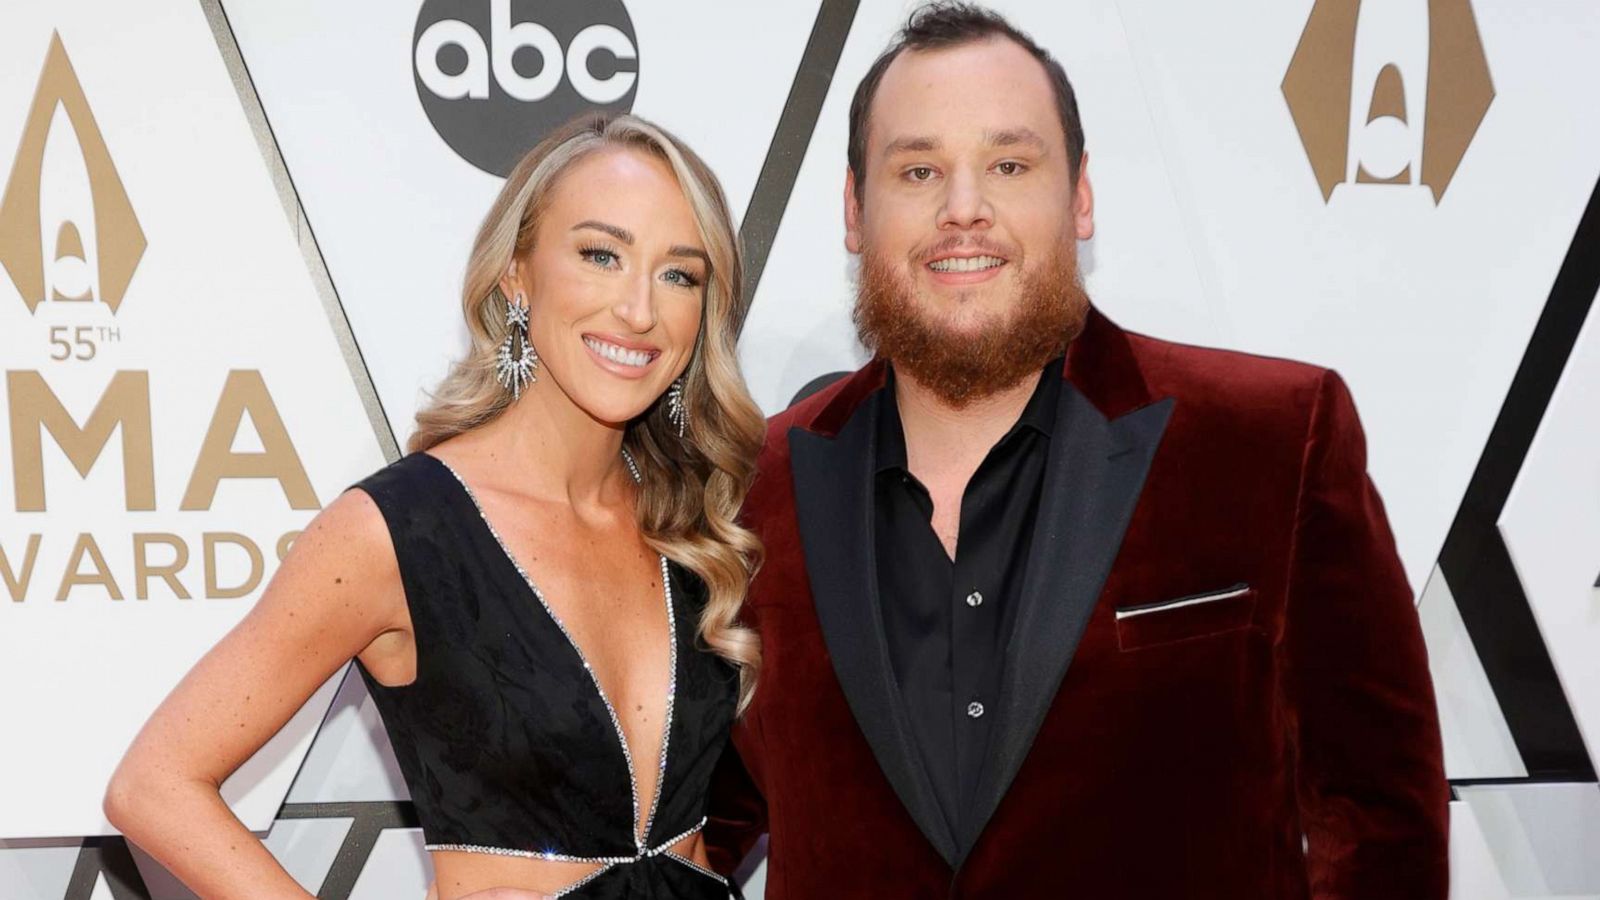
975	599
974	709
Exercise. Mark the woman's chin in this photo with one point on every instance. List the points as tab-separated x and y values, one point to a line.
615	415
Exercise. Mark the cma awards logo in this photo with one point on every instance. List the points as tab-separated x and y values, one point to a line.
63	175
1388	92
495	76
69	235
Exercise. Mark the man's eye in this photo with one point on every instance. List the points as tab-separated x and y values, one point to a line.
1010	168
920	173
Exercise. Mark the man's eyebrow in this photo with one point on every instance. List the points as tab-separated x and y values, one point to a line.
621	234
1005	137
911	145
1011	137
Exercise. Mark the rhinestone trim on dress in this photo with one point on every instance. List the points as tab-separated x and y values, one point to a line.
547	856
693	865
606	863
639	839
659	849
583	881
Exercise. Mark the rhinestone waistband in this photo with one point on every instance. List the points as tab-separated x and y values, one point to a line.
556	856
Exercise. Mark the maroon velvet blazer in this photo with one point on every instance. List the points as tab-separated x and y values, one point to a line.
1216	687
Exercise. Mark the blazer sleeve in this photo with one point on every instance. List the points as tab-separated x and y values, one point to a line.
737	815
1370	774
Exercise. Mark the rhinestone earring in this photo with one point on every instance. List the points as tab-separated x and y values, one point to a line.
677	409
516	363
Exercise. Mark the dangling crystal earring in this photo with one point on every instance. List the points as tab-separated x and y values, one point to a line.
677	409
516	362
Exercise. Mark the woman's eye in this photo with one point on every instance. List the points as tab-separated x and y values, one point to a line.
680	277
605	259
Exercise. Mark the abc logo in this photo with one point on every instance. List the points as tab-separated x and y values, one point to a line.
495	76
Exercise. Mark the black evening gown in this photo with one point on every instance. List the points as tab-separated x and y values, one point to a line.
506	739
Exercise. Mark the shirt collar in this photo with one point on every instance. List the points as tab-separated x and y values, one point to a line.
1039	415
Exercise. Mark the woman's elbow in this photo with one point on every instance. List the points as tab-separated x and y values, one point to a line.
129	799
121	801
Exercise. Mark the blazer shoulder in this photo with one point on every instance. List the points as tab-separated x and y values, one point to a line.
1207	376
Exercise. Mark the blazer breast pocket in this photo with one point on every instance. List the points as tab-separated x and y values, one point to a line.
1185	618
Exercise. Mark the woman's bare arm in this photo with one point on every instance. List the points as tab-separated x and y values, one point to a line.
337	592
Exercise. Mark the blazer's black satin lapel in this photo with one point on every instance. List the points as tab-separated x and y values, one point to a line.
833	500
1093	478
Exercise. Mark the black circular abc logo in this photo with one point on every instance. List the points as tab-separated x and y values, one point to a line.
495	76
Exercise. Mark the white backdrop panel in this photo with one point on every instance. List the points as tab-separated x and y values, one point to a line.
395	209
220	288
1552	528
1477	741
1425	309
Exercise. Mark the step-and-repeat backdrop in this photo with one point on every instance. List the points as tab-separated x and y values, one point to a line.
232	233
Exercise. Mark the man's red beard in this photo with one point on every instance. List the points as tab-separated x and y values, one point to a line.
958	365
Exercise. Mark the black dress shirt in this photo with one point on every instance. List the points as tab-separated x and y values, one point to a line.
948	621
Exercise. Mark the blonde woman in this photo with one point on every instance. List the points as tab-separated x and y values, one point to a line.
542	596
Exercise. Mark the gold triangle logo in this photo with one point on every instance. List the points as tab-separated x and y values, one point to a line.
1320	79
61	270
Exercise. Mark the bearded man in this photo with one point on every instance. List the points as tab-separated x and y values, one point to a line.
1050	609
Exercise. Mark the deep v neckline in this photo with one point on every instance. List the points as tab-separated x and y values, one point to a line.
641	839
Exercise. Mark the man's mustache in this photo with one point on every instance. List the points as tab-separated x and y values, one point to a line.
966	244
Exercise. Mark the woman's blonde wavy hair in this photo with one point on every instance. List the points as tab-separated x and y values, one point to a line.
692	485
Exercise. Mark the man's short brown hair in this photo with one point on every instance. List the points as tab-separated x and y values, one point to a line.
941	25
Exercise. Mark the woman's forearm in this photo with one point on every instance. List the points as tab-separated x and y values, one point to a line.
187	827
336	591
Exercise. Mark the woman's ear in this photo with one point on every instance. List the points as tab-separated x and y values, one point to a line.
511	283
